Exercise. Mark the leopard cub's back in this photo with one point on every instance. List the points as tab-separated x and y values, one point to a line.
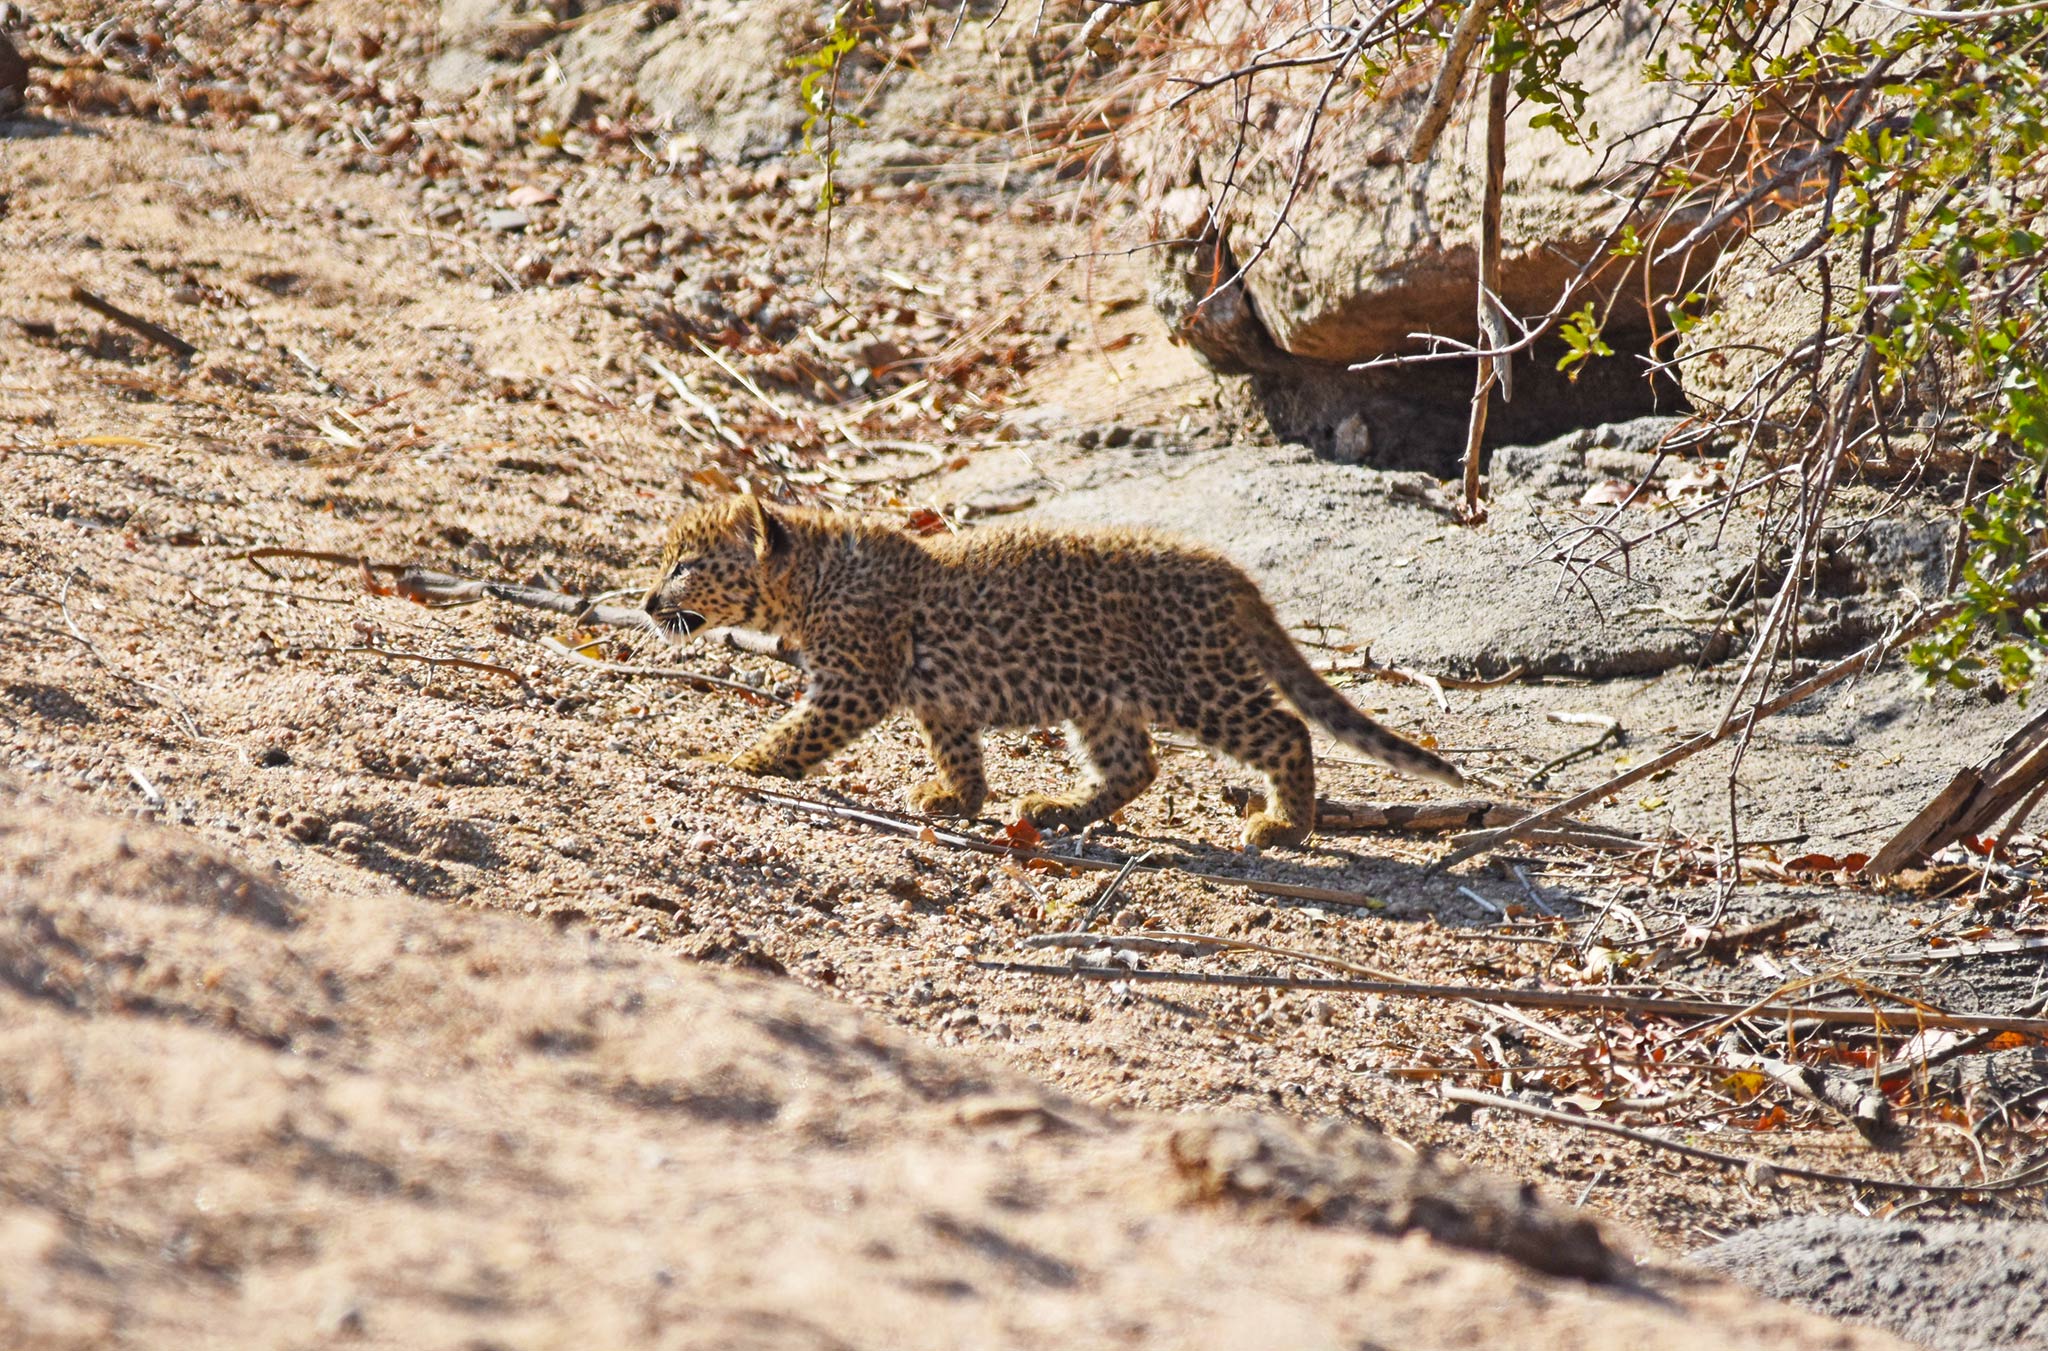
1043	624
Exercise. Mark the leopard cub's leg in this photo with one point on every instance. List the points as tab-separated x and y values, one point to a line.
1119	748
1273	741
836	709
960	786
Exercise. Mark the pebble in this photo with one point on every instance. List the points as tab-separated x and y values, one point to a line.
505	220
703	842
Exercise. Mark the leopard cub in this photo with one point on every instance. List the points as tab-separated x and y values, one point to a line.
1108	630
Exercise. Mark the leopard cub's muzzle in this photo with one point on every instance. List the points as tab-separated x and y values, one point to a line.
673	621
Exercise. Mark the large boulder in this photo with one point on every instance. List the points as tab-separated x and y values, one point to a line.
1377	250
1377	255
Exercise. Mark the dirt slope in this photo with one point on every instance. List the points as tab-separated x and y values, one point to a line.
243	1115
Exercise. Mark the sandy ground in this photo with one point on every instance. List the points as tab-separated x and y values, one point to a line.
378	378
248	1113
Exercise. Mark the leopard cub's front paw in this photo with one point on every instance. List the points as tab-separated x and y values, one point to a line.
762	766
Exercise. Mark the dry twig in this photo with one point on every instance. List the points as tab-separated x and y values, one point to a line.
2027	1175
156	333
1592	1001
1476	844
696	678
953	839
426	658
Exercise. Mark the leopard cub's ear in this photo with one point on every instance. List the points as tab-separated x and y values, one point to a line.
769	536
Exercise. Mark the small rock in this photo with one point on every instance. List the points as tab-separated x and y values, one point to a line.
1351	442
506	220
349	837
343	1316
878	355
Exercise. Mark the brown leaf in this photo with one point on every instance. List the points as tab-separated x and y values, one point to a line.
1021	835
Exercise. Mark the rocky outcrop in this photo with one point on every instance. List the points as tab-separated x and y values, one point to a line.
1376	250
1377	254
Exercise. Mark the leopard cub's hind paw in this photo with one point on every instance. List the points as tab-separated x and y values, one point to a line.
934	798
1263	828
1051	813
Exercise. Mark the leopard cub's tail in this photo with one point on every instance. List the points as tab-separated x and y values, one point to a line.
1313	697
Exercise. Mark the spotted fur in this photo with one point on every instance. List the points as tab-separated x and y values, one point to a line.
1111	631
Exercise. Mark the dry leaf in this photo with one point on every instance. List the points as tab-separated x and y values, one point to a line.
1020	835
1608	492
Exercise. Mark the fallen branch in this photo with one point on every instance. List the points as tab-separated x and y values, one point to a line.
1589	1001
1997	947
1108	893
1507	677
1972	802
426	587
156	333
695	678
1424	818
311	556
1419	817
2026	1175
425	658
1473	845
1924	1052
1610	730
1860	1105
1181	944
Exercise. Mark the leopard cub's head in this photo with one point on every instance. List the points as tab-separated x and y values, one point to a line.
715	567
